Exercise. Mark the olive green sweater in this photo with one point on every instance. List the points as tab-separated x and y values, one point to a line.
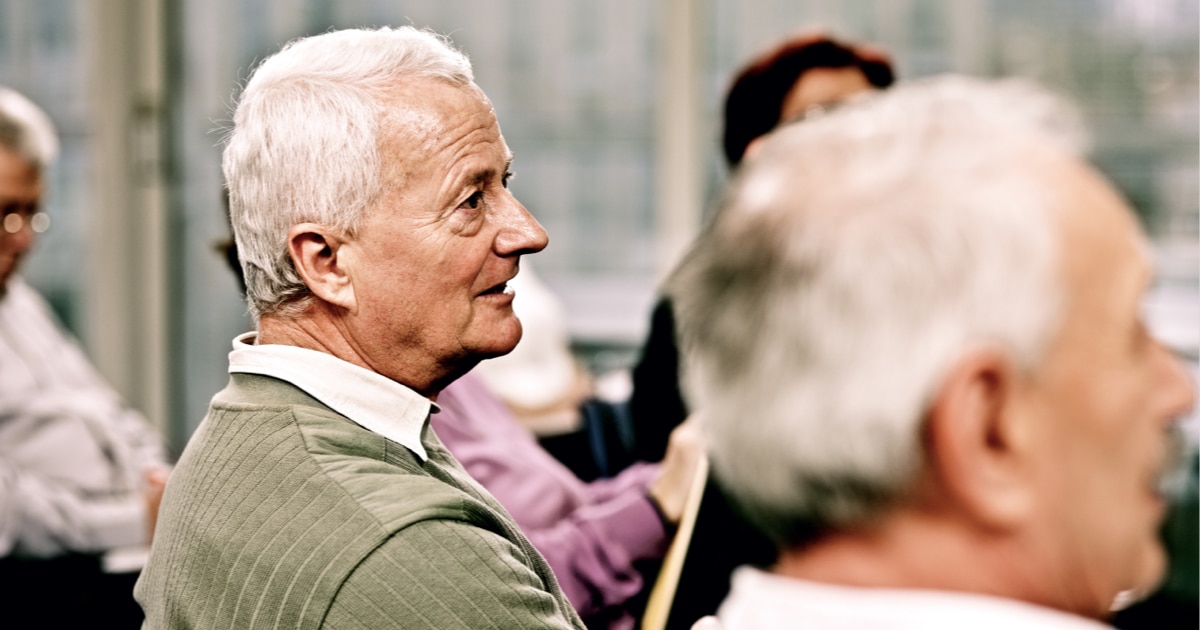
284	514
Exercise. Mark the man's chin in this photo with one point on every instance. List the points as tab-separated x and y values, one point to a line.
500	341
1154	569
1151	573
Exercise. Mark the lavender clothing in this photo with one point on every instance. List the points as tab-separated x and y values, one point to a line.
590	533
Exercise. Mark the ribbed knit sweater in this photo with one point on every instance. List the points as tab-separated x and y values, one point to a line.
282	513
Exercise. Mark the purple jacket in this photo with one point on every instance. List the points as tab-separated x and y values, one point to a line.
590	533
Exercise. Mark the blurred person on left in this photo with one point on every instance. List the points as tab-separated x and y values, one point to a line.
81	473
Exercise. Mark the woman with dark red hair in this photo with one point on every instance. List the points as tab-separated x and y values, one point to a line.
802	75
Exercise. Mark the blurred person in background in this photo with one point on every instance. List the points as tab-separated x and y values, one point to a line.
367	192
914	336
81	474
802	77
798	79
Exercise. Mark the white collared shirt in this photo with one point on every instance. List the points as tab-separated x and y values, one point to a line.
373	401
73	455
765	601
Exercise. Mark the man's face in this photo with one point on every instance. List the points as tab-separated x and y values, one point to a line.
435	252
819	87
20	191
823	86
1105	396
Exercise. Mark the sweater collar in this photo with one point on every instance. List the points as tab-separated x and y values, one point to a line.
369	399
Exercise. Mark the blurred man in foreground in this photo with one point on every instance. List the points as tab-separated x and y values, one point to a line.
81	473
914	337
367	185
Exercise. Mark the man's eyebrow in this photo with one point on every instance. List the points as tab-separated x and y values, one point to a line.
484	174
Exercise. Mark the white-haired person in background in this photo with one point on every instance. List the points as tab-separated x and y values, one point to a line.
368	196
913	335
81	473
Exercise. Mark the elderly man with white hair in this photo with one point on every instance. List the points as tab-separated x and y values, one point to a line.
913	333
368	196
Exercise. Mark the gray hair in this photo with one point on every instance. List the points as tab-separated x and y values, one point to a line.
304	145
854	260
26	130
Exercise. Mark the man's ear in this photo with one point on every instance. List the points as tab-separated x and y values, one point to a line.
316	252
978	441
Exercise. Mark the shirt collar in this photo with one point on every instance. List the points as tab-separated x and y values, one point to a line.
760	599
373	401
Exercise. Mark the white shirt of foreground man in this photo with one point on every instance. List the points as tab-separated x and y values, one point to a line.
929	305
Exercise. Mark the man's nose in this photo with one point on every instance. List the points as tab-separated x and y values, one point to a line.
20	240
1179	386
520	233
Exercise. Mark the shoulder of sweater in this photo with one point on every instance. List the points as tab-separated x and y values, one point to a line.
490	578
383	478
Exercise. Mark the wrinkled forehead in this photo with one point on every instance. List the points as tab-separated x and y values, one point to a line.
17	170
1107	261
1091	212
422	112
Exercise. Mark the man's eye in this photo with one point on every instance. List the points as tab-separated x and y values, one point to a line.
508	175
473	201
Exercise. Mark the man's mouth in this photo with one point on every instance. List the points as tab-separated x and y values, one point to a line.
499	289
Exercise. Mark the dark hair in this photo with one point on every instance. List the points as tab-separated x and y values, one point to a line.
227	247
755	100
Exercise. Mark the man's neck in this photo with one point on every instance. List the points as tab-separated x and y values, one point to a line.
317	329
917	551
305	331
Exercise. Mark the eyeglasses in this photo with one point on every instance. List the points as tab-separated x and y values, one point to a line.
16	220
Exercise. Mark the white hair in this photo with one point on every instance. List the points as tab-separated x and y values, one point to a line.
26	130
854	260
304	145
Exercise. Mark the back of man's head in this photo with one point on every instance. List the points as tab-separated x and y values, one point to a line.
305	142
914	329
853	260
